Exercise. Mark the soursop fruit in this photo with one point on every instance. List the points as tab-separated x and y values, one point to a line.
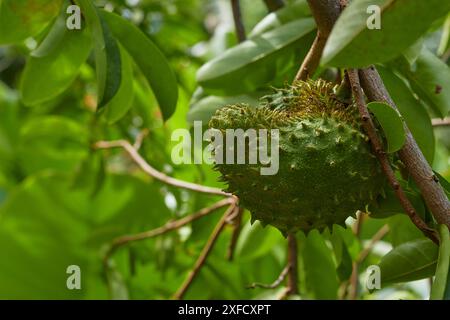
326	167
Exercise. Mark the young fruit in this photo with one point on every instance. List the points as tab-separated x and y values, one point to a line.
326	168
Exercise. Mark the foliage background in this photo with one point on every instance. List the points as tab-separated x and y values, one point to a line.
62	203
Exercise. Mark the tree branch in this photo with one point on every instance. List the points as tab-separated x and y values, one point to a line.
275	284
169	226
325	13
204	254
147	168
238	23
377	147
274	5
292	285
237	222
411	155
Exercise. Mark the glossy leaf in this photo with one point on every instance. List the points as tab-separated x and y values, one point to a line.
353	44
391	123
123	100
150	60
255	62
20	19
432	77
205	108
107	54
412	111
438	289
282	16
409	261
53	67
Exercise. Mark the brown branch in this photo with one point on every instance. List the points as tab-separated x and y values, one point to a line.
325	13
274	5
355	265
441	122
380	234
275	284
411	155
238	23
137	158
169	226
140	139
204	254
377	147
237	222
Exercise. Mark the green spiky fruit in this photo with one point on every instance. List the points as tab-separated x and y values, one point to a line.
326	168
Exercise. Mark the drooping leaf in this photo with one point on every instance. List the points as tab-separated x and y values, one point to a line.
282	16
20	19
409	261
53	66
353	44
107	54
205	108
319	268
412	111
342	255
438	289
257	61
150	60
391	123
123	100
431	77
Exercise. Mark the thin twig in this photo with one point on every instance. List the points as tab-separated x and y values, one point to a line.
380	234
204	254
355	265
169	226
140	139
377	146
237	222
275	284
238	23
274	5
155	173
441	122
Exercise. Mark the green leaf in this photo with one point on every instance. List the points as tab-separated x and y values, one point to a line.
107	54
204	109
282	16
319	268
444	183
342	254
53	67
389	206
409	261
257	61
438	290
150	60
431	76
412	111
256	241
20	19
353	44
123	100
392	124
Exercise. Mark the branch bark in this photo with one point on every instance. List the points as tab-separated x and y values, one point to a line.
292	285
204	254
441	122
411	155
238	23
377	147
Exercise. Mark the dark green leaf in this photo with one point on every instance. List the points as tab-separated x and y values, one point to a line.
412	111
121	103
150	60
282	16
390	205
391	123
439	287
20	19
409	261
257	61
353	44
53	67
107	54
